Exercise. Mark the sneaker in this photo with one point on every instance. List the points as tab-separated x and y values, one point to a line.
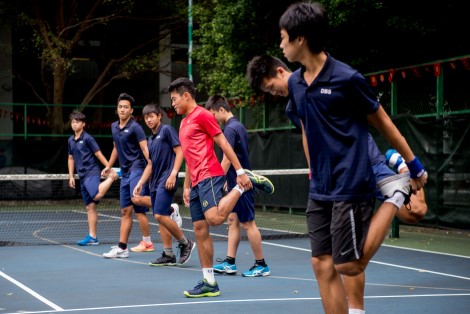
118	172
257	271
116	252
394	160
175	216
225	268
396	183
203	289
88	240
165	260
185	252
143	247
260	182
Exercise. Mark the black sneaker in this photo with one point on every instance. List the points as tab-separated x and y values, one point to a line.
186	251
260	183
165	260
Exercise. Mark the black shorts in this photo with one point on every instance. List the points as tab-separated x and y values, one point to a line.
338	228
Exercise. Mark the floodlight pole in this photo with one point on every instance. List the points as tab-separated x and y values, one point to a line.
190	39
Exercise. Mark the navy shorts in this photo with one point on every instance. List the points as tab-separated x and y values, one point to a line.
89	188
381	171
205	195
128	183
161	201
338	228
245	207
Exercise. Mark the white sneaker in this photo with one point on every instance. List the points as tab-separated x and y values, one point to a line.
175	216
116	252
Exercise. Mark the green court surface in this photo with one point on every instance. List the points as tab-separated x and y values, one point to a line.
433	240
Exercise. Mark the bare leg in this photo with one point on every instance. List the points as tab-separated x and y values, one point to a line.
234	234
331	287
254	236
415	210
354	287
105	185
170	226
144	224
92	219
205	247
126	224
379	227
217	215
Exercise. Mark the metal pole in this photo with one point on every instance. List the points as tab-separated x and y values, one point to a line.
190	39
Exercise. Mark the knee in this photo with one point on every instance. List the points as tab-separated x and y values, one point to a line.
214	221
350	269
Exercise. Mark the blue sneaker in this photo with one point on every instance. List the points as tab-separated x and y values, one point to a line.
257	271
260	182
394	160
203	289
88	240
118	172
225	268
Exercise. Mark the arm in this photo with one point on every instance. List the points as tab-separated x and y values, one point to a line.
111	161
147	171
382	122
306	152
242	179
101	158
186	186
171	181
71	166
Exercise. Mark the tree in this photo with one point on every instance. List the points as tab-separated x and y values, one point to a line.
56	32
228	33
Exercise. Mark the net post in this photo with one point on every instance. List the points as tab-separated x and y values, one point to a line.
395	228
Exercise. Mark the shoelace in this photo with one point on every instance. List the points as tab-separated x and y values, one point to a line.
254	266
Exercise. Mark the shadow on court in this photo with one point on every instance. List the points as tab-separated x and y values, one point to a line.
62	278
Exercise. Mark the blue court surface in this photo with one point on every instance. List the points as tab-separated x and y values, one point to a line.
72	279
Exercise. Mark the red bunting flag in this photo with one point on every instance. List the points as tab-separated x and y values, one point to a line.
437	69
373	80
390	76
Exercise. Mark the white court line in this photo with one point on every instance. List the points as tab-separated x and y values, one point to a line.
237	301
33	293
382	263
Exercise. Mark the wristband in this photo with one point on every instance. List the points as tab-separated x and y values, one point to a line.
416	168
240	172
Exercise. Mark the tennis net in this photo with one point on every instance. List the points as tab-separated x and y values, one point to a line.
37	209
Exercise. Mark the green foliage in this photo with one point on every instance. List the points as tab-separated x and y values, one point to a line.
228	34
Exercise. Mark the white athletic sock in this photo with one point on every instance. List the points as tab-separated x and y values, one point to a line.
147	239
208	274
356	311
239	189
397	199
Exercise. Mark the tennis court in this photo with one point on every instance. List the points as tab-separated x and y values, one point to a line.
73	279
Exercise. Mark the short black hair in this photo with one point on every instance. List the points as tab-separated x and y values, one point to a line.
307	19
129	98
263	67
182	85
152	108
77	115
215	102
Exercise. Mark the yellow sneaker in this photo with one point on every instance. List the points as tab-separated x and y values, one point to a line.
143	247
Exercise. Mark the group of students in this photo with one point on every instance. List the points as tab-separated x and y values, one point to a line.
333	105
149	172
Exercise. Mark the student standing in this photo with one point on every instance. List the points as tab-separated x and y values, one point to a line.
204	179
84	154
130	147
162	176
244	211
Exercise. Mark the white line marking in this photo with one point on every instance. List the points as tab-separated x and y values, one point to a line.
191	303
33	293
380	263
